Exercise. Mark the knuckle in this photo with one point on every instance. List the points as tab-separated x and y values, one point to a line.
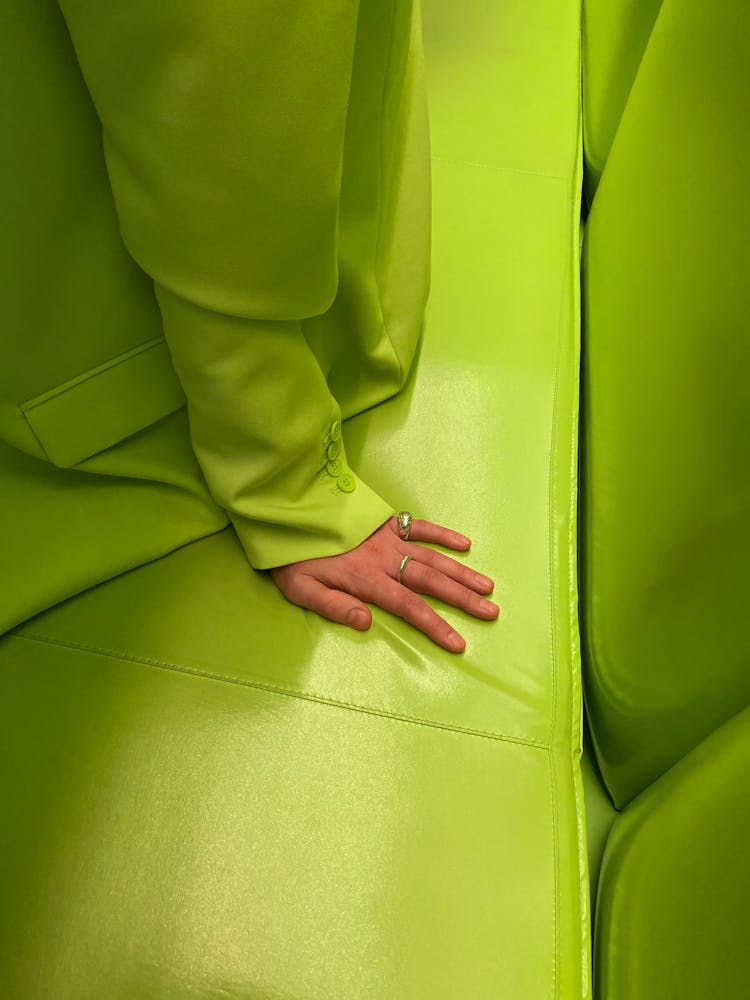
414	605
292	592
428	556
432	576
327	605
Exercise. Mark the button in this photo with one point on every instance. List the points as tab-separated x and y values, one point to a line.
346	482
335	431
334	467
333	449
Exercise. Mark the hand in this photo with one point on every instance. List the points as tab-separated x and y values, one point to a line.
337	586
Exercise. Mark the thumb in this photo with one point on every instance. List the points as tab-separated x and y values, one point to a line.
335	605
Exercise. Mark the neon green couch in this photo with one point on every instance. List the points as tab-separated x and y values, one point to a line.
211	794
665	491
215	794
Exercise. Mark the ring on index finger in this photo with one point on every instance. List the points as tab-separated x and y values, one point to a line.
404	525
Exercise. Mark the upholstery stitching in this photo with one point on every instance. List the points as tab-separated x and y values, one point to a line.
497	169
555	878
554	550
280	690
576	705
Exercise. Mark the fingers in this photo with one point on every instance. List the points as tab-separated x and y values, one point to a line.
307	592
427	531
337	587
400	601
424	579
436	534
451	568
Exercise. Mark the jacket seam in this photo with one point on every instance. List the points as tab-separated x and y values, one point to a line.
38	440
381	186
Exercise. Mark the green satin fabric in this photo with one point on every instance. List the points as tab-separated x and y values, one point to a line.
269	170
228	150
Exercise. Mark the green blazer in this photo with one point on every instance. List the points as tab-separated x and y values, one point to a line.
225	204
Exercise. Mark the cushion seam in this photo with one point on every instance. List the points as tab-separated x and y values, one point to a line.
280	690
455	161
555	878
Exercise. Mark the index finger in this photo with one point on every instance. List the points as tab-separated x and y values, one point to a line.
428	531
451	568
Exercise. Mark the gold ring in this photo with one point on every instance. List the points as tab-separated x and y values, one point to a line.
402	567
404	524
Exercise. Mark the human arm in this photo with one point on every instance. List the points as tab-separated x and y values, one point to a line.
227	191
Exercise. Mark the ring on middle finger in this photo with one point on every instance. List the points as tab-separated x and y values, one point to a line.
401	568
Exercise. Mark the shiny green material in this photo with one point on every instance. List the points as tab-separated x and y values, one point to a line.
232	797
73	300
296	256
600	814
615	35
72	528
672	911
63	419
665	533
666	449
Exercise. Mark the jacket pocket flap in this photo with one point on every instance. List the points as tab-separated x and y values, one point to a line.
105	404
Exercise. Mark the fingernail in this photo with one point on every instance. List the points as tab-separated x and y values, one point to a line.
485	582
358	618
455	642
463	540
489	608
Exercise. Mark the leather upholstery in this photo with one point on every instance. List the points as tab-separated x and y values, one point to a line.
665	541
666	454
672	906
615	36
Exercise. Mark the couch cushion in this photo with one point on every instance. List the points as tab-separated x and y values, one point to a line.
672	906
615	35
666	450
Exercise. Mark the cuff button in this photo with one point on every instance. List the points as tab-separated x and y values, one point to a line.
346	482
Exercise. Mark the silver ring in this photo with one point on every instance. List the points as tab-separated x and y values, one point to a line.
404	525
402	567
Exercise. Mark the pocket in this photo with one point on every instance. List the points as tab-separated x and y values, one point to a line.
105	404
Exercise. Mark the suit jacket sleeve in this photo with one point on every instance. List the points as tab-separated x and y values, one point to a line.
223	128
